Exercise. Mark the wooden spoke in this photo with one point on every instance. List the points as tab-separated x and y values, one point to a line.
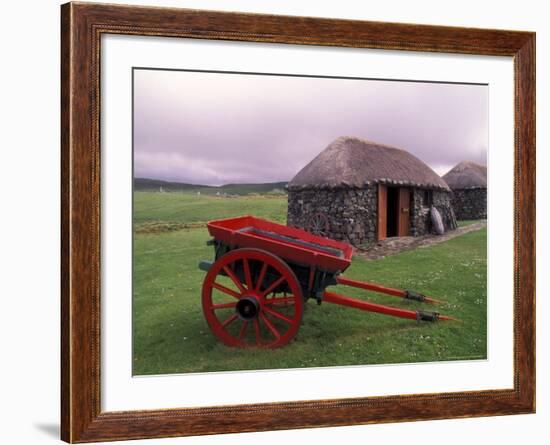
247	276
242	332
223	305
229	321
226	290
270	326
258	333
233	277
278	315
273	286
261	277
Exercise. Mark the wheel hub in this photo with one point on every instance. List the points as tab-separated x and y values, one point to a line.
248	308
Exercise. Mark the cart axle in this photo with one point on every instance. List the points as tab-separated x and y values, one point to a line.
247	308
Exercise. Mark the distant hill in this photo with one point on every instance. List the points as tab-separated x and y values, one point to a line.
156	185
146	184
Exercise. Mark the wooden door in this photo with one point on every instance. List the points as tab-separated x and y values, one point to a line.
404	212
382	211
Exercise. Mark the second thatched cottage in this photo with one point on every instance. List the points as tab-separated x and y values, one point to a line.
468	181
362	192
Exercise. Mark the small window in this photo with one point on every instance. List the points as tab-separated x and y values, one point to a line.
427	198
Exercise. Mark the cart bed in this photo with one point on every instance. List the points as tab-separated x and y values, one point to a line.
289	243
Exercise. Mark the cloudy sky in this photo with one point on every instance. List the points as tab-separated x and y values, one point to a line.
218	128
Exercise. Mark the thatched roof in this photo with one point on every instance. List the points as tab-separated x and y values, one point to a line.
467	175
354	162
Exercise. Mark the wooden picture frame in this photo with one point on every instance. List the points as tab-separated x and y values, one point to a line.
82	26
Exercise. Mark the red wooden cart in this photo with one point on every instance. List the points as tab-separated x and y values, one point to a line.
254	291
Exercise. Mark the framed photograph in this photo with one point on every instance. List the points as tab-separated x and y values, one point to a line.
276	222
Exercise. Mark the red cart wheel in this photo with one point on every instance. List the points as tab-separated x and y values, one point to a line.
250	297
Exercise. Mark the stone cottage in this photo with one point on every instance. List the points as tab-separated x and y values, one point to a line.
362	192
468	182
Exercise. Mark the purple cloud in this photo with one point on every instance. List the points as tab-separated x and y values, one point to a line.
217	128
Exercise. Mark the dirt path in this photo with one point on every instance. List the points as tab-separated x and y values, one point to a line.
391	246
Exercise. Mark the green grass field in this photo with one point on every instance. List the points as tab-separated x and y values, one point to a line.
171	335
162	212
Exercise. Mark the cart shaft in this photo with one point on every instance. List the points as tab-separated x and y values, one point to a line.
411	295
342	300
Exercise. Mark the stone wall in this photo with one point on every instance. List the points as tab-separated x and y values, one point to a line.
420	219
419	214
350	212
470	203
